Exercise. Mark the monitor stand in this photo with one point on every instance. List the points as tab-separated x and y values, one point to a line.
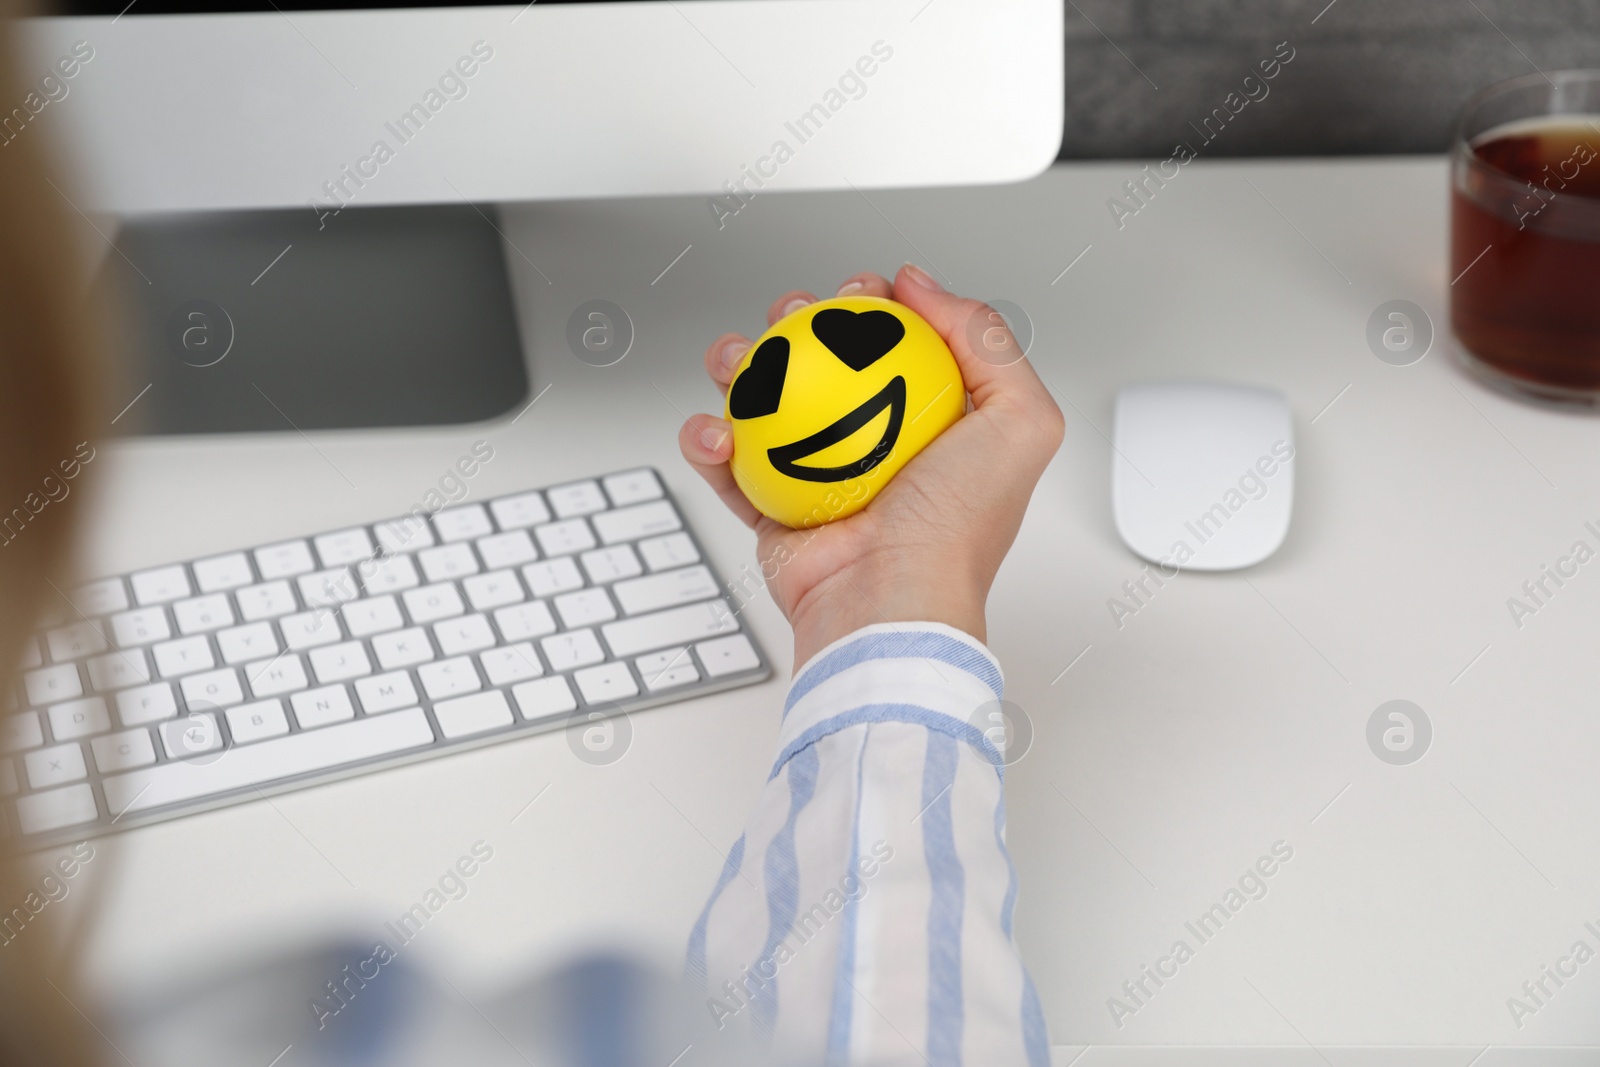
284	320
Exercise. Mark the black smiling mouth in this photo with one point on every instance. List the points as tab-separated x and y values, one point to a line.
891	396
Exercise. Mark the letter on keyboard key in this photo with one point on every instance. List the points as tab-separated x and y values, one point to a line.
281	674
641	520
183	656
575	649
148	703
327	589
216	689
114	670
402	648
543	698
335	663
124	751
386	692
75	641
665	590
675	626
474	714
222	572
448	678
489	591
609	681
433	602
79	718
632	487
266	761
319	707
254	722
466	634
50	684
727	655
392	575
55	765
375	615
190	737
309	629
525	620
56	809
244	643
265	601
448	561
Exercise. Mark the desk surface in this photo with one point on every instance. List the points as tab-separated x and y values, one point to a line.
1226	715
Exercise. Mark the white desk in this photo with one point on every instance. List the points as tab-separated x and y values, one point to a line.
1223	717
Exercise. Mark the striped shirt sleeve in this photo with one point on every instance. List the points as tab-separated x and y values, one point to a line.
864	917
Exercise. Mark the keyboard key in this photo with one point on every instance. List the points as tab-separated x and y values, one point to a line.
579	498
160	585
116	670
284	560
473	715
405	534
675	626
578	648
386	692
487	591
585	608
507	549
390	575
257	721
31	656
245	643
57	809
519	511
148	703
322	707
632	487
375	615
448	561
194	735
55	765
215	689
276	676
124	751
460	524
50	684
203	614
641	520
335	663
18	732
402	648
266	601
79	718
544	698
665	553
75	641
448	678
267	761
183	656
552	576
605	565
343	547
727	655
466	634
664	670
564	538
610	681
665	590
327	589
309	629
223	572
433	602
100	598
140	627
512	663
525	620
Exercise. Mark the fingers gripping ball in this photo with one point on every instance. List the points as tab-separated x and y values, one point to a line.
832	401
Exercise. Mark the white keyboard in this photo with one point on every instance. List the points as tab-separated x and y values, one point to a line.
184	687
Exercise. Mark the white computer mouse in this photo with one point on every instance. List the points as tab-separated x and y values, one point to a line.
1202	473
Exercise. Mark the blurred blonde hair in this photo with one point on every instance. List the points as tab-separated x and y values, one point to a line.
48	404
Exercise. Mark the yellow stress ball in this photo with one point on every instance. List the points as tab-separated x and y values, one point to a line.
832	401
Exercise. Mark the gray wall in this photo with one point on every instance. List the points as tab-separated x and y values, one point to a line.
1370	76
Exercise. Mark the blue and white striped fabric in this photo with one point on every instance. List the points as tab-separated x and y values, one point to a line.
864	917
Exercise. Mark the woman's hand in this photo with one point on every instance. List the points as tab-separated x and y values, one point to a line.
927	547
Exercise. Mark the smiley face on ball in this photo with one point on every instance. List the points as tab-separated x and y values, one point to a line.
829	403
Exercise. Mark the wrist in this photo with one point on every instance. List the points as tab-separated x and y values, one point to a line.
863	594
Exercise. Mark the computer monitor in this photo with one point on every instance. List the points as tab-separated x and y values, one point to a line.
288	175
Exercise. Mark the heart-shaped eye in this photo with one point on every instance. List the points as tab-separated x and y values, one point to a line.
859	339
757	391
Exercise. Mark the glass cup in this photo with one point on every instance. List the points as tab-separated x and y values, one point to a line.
1525	236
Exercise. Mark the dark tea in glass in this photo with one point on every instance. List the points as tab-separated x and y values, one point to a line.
1525	236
